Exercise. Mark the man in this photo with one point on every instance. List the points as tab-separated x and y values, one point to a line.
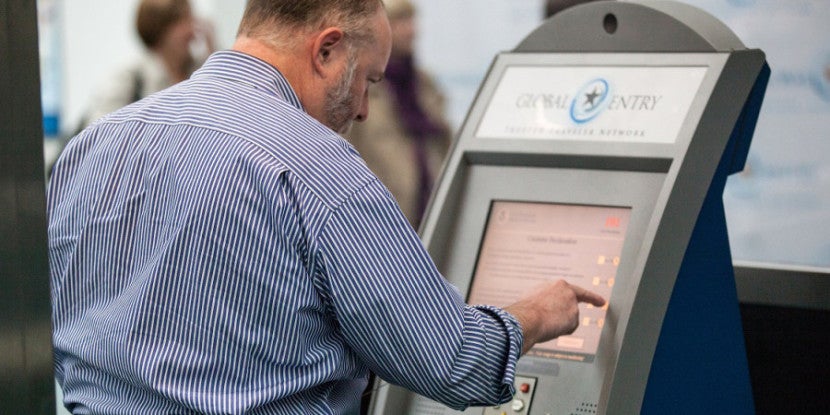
218	248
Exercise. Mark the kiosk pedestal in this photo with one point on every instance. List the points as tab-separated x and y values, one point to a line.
597	152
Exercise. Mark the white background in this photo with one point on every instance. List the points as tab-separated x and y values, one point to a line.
99	36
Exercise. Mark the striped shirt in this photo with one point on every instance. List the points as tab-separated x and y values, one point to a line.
216	250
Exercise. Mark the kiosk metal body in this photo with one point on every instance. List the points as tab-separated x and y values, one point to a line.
597	151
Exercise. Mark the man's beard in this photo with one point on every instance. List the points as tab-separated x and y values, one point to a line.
339	100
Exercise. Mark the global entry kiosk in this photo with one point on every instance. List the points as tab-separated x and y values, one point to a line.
597	152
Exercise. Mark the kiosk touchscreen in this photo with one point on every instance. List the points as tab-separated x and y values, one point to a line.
597	152
529	243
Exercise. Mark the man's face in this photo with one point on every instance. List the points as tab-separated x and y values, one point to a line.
347	99
340	102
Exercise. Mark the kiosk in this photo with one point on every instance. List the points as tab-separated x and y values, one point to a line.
597	152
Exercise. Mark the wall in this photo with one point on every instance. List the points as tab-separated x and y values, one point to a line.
458	51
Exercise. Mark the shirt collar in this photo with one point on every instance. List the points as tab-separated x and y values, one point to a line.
240	67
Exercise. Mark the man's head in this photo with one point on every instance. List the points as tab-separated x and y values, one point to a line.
329	51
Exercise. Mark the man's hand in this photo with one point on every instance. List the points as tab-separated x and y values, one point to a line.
551	311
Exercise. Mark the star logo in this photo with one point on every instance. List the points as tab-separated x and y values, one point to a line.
590	100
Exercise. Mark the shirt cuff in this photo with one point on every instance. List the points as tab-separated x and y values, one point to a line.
515	342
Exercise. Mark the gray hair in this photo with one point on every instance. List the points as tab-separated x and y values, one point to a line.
278	21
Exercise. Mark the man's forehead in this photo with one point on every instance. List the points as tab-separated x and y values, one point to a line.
381	44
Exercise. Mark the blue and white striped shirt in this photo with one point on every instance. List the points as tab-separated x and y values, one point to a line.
216	250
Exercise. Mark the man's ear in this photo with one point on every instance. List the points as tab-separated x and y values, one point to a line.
329	47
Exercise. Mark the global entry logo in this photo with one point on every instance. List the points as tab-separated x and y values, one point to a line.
590	101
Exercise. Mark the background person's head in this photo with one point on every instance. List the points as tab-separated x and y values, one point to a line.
166	26
402	20
329	51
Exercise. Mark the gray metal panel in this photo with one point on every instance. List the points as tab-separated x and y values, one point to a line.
783	285
557	153
676	222
655	26
460	240
26	376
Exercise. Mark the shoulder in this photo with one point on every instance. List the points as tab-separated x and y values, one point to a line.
315	155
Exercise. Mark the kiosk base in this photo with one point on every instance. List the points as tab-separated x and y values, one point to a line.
700	363
705	373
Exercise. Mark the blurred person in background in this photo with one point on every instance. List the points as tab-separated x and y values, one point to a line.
407	137
169	32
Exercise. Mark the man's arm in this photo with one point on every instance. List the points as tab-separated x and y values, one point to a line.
410	326
551	312
404	320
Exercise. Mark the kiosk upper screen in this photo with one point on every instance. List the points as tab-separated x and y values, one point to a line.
526	244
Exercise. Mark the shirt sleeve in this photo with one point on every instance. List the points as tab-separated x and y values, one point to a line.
402	317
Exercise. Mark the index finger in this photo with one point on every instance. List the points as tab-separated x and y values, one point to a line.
590	297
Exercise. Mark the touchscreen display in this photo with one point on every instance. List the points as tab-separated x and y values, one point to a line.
527	244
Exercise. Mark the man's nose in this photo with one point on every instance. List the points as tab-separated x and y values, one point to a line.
363	112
